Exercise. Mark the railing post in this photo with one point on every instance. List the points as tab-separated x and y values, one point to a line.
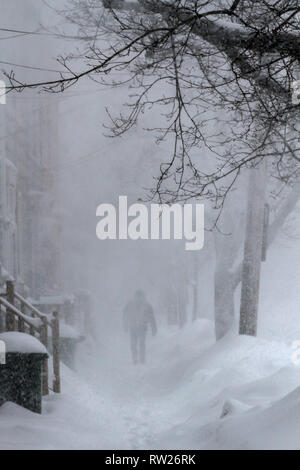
2	329
21	323
55	348
10	317
31	329
44	341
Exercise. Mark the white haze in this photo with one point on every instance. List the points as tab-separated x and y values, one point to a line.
173	396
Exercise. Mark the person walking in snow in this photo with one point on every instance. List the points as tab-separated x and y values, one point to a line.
137	316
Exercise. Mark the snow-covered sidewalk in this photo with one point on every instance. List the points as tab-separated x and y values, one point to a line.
242	393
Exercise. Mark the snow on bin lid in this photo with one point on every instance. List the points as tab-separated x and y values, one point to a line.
21	342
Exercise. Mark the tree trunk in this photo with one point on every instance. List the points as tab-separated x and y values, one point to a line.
253	251
288	206
228	241
224	290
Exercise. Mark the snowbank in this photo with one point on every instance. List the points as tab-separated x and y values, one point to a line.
273	427
75	419
241	393
235	396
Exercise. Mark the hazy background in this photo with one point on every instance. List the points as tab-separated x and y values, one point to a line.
93	169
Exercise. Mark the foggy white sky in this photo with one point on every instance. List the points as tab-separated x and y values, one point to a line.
94	169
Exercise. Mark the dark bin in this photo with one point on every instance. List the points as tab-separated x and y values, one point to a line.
21	380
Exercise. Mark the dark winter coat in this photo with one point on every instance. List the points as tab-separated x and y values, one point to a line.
138	314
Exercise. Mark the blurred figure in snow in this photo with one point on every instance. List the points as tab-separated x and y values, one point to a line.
138	315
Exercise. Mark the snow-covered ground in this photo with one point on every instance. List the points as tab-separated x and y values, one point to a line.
240	393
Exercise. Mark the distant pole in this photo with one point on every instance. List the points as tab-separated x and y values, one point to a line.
195	288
